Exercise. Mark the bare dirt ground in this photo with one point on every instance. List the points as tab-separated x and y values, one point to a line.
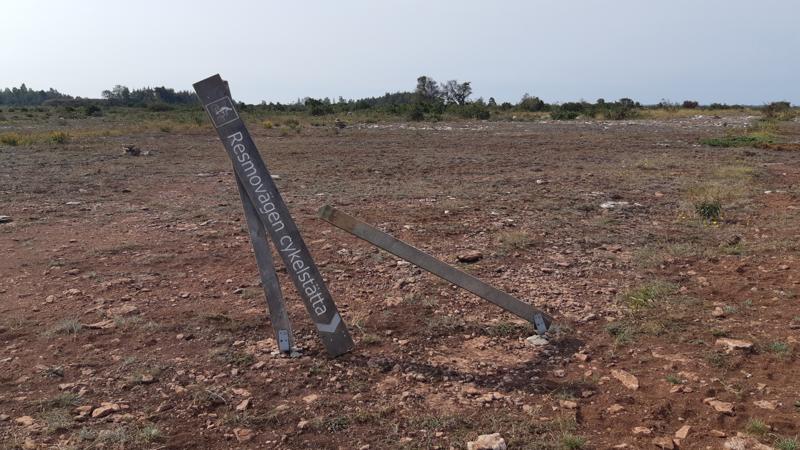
131	314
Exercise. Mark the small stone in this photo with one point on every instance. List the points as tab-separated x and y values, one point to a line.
124	310
29	444
718	312
243	434
683	432
627	379
470	256
642	430
664	442
4	417
311	398
766	404
718	434
6	219
50	299
25	421
488	442
105	409
536	341
243	405
719	406
559	373
615	408
303	424
568	404
734	344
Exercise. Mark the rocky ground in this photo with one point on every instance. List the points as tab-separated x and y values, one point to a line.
131	314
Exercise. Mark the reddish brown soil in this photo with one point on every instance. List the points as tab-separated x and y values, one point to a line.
165	234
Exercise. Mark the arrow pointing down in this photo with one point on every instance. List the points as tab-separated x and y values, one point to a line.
330	327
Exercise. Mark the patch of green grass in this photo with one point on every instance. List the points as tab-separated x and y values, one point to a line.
511	241
648	294
730	309
240	359
570	441
57	420
59	137
621	332
787	443
63	400
779	348
717	359
12	139
336	424
756	427
506	329
150	433
370	339
709	210
719	332
674	379
67	326
746	140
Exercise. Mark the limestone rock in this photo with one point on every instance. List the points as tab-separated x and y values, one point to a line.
615	408
719	406
105	409
766	404
243	405
734	344
744	442
683	432
488	442
568	404
536	341
664	442
627	379
243	434
469	256
25	421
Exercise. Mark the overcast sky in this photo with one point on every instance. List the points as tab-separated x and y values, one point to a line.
730	51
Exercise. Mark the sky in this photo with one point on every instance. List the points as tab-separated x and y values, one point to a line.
730	51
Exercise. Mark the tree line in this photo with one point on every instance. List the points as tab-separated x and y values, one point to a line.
428	101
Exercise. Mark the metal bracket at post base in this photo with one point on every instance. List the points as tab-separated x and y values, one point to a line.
540	324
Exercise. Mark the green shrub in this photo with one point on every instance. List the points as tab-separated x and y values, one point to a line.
12	139
532	104
417	113
59	137
562	114
621	112
709	210
648	294
748	140
92	111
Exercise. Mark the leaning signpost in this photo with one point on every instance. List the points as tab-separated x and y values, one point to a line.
268	219
265	203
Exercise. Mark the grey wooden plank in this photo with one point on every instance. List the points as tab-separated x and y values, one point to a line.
274	214
278	316
439	268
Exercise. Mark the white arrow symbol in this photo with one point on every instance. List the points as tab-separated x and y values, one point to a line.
330	327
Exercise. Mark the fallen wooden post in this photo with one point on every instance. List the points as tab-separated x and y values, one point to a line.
378	238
